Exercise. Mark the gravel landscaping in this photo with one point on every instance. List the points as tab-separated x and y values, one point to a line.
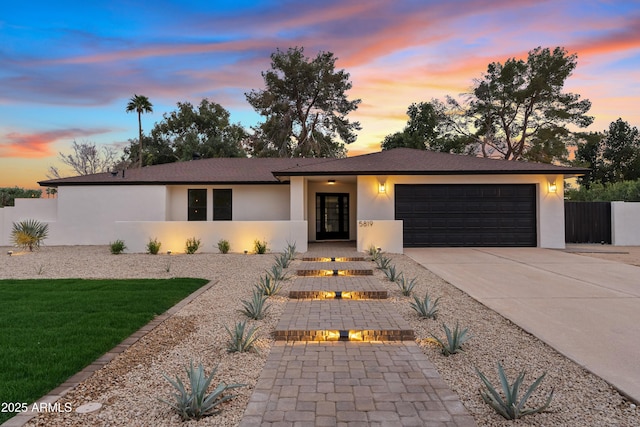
129	387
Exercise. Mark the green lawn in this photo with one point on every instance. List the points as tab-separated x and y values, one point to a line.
51	329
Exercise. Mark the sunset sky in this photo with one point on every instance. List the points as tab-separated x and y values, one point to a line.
68	68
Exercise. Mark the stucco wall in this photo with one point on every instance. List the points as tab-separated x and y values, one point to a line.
625	224
43	210
373	205
249	202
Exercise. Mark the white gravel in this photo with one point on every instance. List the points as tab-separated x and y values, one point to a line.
129	386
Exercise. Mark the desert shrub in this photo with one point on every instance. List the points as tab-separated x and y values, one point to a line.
255	308
153	247
223	246
455	339
260	246
426	308
239	341
117	247
192	245
29	234
290	251
406	286
268	285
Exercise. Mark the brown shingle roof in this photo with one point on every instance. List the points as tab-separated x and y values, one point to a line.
407	161
399	161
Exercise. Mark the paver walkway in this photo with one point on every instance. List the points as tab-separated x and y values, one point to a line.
317	378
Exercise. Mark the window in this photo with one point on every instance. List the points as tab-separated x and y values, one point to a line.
222	205
197	205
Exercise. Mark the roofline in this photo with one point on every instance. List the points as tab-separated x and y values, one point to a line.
572	171
101	183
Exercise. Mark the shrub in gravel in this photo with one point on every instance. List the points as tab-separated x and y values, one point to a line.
153	247
290	251
268	285
455	339
224	246
239	341
260	246
117	247
383	262
192	245
277	273
406	286
511	406
255	308
282	260
426	308
29	234
195	403
391	273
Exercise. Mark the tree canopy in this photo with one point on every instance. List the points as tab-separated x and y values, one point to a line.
305	107
86	159
8	195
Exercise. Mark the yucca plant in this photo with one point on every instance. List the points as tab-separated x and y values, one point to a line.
255	308
282	260
391	273
277	273
192	245
426	308
195	403
268	285
239	341
223	246
29	234
117	247
260	246
290	251
406	286
455	339
383	262
511	406
153	246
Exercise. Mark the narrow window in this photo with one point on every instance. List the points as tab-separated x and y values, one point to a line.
197	205
222	205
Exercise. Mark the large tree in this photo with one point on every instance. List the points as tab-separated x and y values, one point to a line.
139	104
192	131
86	159
519	111
9	194
305	107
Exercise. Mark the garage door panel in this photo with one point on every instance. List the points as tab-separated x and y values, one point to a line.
467	214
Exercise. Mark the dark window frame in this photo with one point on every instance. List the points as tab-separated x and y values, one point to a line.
197	204
222	204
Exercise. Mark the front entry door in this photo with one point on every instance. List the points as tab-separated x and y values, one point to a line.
332	216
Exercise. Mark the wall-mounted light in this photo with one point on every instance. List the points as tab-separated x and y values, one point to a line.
331	182
382	187
552	187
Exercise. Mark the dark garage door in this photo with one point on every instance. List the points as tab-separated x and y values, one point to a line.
467	214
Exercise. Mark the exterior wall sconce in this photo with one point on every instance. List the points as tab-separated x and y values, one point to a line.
552	187
331	182
382	187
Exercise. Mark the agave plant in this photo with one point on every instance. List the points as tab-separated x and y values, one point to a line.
29	234
391	273
455	339
282	260
383	262
255	308
195	403
239	341
268	285
277	273
290	251
406	286
426	308
511	406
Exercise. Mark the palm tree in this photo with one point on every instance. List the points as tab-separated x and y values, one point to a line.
140	104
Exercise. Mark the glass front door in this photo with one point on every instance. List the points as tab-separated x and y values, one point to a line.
332	216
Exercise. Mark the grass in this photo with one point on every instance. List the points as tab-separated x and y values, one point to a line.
51	329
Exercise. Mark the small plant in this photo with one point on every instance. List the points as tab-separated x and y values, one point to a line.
268	285
277	273
224	246
255	308
406	286
192	245
167	266
383	262
29	234
455	339
39	269
511	406
391	273
374	253
260	247
239	341
195	403
117	247
153	247
282	260
290	251
426	308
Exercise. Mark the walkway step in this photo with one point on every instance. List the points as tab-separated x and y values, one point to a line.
335	259
350	268
359	287
328	384
339	319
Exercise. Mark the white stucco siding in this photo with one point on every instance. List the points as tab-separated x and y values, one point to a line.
249	202
373	205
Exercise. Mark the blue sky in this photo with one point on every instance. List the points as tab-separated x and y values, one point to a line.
68	68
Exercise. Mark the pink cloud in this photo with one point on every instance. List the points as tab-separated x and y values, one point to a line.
37	145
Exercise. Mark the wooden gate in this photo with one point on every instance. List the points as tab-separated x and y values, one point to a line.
587	222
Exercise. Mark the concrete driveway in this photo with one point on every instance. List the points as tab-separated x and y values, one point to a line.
586	308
